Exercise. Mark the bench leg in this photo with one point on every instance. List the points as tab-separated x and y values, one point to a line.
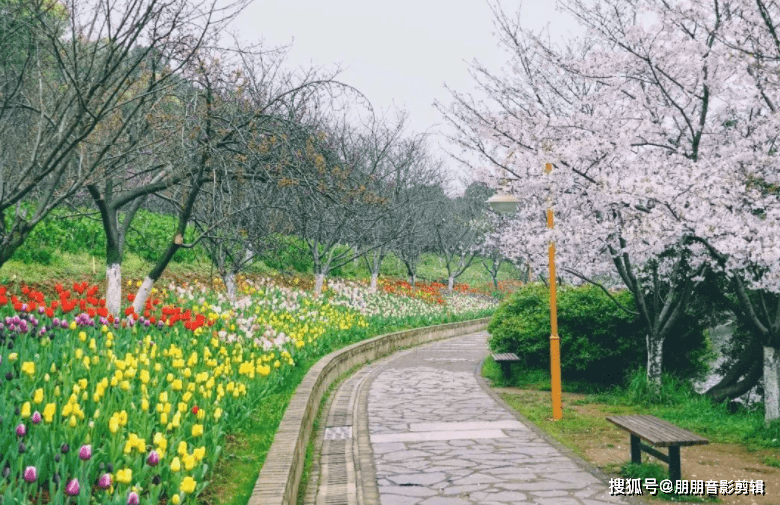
636	451
505	368
675	473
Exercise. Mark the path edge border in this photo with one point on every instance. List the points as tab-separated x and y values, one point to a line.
280	476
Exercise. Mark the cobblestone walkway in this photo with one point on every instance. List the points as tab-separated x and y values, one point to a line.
426	432
439	439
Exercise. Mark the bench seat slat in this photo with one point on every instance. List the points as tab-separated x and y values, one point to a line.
508	356
657	431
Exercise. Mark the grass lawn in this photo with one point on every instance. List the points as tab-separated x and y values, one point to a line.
740	449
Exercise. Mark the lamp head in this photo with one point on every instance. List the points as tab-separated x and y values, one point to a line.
503	203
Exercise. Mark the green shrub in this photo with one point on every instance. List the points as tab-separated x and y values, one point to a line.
600	343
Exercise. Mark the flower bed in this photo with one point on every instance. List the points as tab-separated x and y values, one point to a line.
133	410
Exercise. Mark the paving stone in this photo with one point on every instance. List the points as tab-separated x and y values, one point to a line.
423	479
509	496
441	500
558	500
477	478
395	499
388	447
463	489
407	491
403	455
547	494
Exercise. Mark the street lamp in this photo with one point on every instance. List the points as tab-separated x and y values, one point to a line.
505	203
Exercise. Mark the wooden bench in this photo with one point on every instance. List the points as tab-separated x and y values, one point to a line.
505	360
660	434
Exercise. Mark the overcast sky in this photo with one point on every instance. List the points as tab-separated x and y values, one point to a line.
398	53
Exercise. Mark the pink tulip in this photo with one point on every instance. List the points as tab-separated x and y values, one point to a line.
153	458
21	430
132	498
104	482
72	487
30	474
85	453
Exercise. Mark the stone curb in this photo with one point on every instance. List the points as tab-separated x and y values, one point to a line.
280	476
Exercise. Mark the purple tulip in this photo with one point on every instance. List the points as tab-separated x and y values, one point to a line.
85	453
21	430
132	498
72	487
153	458
104	482
36	417
30	474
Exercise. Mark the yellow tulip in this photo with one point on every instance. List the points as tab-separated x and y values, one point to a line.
189	461
28	367
187	485
124	476
48	412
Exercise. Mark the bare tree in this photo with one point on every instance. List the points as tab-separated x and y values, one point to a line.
458	230
73	75
416	232
408	166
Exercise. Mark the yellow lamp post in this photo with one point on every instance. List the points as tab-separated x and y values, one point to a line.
502	202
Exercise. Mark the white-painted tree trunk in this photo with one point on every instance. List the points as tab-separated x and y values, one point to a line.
230	284
450	284
319	280
771	384
142	295
412	279
655	357
114	288
374	277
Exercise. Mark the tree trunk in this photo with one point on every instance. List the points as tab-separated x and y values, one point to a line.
495	281
142	294
749	365
727	390
229	278
156	272
319	280
374	277
114	288
771	384
450	284
655	356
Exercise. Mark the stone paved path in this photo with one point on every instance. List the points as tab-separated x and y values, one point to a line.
439	438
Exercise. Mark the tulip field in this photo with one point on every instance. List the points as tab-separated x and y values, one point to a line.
134	409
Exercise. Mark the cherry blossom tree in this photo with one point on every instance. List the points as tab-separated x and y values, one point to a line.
659	125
